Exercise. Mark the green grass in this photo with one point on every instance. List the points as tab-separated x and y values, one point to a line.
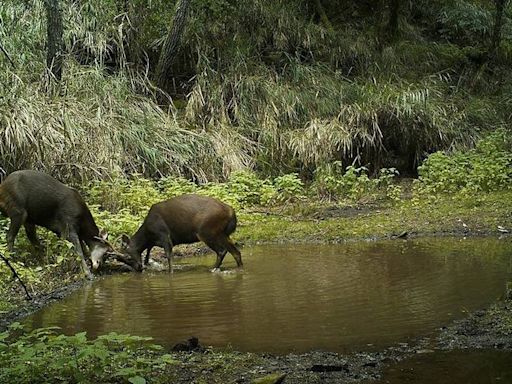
443	215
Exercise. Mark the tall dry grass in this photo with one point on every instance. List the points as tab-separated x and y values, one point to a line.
269	89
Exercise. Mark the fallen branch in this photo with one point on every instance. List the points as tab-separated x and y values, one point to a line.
7	55
15	274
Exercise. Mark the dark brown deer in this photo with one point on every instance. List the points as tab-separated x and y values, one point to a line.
31	198
183	220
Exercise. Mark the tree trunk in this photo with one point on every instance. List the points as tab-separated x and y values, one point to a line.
323	16
394	11
171	44
55	30
498	26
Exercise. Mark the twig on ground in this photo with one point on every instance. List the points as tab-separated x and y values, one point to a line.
7	55
15	274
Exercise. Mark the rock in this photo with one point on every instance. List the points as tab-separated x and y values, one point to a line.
371	364
275	378
156	266
421	351
502	229
328	368
401	235
192	344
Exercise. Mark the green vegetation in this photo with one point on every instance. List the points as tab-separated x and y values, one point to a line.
482	169
274	87
43	354
303	115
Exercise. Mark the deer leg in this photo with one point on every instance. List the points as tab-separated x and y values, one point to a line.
235	252
146	259
168	254
219	247
17	220
223	245
73	238
220	258
30	230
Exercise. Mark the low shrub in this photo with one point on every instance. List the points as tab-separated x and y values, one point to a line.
334	183
485	168
33	357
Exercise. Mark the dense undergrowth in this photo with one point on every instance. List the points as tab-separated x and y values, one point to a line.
264	86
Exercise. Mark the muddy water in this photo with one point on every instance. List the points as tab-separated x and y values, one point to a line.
297	298
455	367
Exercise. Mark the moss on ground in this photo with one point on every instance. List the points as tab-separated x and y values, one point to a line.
456	214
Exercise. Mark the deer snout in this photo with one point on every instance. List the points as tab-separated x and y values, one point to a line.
97	255
95	265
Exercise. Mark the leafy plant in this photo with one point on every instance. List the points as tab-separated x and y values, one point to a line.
354	183
36	356
247	187
289	188
175	186
136	194
221	192
251	190
487	167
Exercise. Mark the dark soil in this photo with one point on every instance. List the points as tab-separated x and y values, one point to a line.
490	328
346	211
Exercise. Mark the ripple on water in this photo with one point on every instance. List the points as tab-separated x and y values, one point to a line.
299	297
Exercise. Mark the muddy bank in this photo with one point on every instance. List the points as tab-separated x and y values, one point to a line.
38	302
490	328
484	329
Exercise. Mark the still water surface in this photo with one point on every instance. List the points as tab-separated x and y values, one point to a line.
297	298
453	367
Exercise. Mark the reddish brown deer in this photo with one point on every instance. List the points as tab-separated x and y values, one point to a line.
183	220
31	198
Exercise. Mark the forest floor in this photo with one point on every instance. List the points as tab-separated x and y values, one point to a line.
485	215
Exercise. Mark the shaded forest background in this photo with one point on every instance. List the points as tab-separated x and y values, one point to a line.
93	89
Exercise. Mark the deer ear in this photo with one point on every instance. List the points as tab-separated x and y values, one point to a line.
103	235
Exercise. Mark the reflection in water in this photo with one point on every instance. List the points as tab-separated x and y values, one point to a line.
455	367
297	298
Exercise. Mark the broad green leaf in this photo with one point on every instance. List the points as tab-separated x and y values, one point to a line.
137	380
